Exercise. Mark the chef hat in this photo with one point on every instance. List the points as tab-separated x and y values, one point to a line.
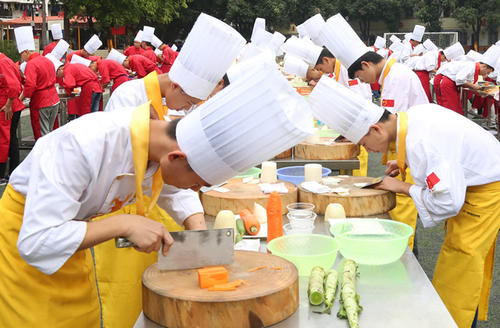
418	49
158	52
303	49
80	60
209	50
116	56
56	31
345	111
296	66
248	122
93	44
251	50
408	36
379	42
491	56
147	33
174	47
60	49
383	52
394	38
396	46
342	41
138	36
497	68
276	42
454	51
312	28
418	33
54	61
497	43
260	24
24	38
261	60
156	42
22	67
474	56
429	45
262	38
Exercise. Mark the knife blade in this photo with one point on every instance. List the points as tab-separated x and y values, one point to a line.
374	182
207	189
198	248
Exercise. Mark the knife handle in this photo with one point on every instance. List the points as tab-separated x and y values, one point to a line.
122	242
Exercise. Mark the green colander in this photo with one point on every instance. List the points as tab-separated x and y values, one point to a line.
254	172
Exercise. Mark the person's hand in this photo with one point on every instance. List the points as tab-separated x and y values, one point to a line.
147	235
8	111
392	169
394	185
475	86
312	83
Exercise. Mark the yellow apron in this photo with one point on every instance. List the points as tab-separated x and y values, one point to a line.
30	298
464	268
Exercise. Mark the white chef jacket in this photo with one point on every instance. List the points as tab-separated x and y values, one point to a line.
401	89
178	203
384	52
427	62
446	153
355	85
404	54
459	71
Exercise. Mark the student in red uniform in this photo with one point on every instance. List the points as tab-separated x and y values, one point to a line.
110	70
39	86
57	34
168	57
10	111
141	65
136	49
88	49
79	75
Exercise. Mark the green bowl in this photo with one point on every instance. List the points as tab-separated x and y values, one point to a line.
371	241
305	251
254	172
329	133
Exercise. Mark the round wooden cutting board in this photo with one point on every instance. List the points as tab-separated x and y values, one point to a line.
359	202
241	196
285	154
334	151
175	299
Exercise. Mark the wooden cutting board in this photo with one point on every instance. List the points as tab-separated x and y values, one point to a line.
241	196
320	151
174	298
285	154
359	202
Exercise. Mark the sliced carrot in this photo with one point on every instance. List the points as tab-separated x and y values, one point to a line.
274	218
257	268
252	224
276	268
220	288
210	276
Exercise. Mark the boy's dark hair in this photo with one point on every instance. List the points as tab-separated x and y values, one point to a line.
226	80
370	56
487	65
172	128
385	116
324	53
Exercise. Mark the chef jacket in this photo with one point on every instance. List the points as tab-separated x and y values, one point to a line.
441	171
132	50
109	70
10	83
79	53
169	56
48	49
150	54
428	61
40	80
142	65
355	85
459	72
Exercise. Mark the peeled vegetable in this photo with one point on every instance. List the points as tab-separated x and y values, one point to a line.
225	219
315	290
349	299
252	225
260	212
210	276
331	280
334	211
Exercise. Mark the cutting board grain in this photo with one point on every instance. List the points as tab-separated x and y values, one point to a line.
319	151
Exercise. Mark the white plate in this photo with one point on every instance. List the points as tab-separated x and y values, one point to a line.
262	232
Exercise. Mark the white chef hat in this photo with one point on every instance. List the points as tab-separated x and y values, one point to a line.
209	50
497	68
295	65
158	52
138	36
396	46
379	42
342	41
383	52
147	33
24	38
497	43
60	49
54	60
418	49
261	60
312	28
116	56
156	42
491	56
80	60
56	31
429	45
174	47
248	122
407	36
474	56
418	33
92	44
262	38
394	38
276	41
22	67
345	111
307	51
260	24
251	50
454	51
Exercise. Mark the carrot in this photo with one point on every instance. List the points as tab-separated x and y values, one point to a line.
276	268
228	286
257	268
274	219
252	225
221	288
210	276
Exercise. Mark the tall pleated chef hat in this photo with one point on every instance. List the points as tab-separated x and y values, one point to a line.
93	44
295	65
418	33
408	36
260	24
454	51
251	50
259	61
147	33
276	42
342	109
209	50
491	56
116	56
342	40
54	60
302	48
80	60
419	49
312	28
379	42
56	31
474	56
156	42
138	36
396	46
250	121
24	38
429	45
60	49
262	38
394	38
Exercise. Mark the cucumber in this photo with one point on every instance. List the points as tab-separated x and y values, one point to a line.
238	238
240	227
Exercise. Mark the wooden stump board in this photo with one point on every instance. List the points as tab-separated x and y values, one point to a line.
285	154
323	151
175	299
359	202
241	196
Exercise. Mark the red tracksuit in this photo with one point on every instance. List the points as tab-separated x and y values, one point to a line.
132	50
48	49
79	75
169	57
39	85
111	70
142	66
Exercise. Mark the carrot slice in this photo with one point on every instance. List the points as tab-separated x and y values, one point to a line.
257	268
276	268
252	224
210	276
220	288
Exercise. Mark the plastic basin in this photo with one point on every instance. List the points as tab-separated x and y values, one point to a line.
328	133
254	172
295	174
305	251
371	241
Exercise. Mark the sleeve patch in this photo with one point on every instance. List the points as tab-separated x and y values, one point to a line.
387	102
432	180
353	82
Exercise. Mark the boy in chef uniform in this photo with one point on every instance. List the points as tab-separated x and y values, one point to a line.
111	70
56	31
136	49
400	88
451	53
459	186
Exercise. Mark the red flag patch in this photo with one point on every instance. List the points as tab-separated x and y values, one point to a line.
432	180
387	102
330	75
353	82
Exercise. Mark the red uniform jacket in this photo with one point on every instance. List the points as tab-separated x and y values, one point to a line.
169	57
79	53
48	49
150	54
79	75
40	82
132	50
142	66
111	70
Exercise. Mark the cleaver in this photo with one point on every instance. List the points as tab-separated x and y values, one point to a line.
374	182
